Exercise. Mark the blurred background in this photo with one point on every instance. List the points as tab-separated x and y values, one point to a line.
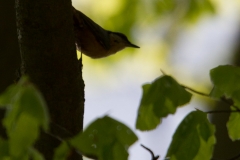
185	39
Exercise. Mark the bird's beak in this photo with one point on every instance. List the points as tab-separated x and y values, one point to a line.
132	45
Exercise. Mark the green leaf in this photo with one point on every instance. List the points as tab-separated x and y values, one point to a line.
233	125
26	100
106	139
11	93
62	151
32	103
26	113
159	99
226	83
35	154
23	136
194	138
146	119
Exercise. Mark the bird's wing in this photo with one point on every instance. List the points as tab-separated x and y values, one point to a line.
100	34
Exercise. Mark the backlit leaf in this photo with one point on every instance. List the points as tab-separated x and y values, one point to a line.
233	125
194	138
160	99
105	139
226	83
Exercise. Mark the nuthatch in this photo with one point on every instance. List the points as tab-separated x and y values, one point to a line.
94	41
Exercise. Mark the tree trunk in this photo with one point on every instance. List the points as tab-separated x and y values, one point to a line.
47	47
225	147
9	51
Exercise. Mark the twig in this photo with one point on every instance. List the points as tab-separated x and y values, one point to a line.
197	92
163	72
153	157
229	103
223	99
220	111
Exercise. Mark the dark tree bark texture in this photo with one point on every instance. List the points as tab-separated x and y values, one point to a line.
9	51
47	47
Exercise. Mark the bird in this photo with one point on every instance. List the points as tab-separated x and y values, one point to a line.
94	41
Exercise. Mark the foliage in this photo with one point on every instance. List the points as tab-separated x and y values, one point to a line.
193	139
106	138
164	102
226	85
26	113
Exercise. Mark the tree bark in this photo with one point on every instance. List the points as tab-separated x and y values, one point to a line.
47	47
9	50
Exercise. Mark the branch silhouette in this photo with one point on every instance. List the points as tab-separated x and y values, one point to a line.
223	99
152	154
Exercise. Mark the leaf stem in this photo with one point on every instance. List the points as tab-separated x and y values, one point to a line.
197	92
223	99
